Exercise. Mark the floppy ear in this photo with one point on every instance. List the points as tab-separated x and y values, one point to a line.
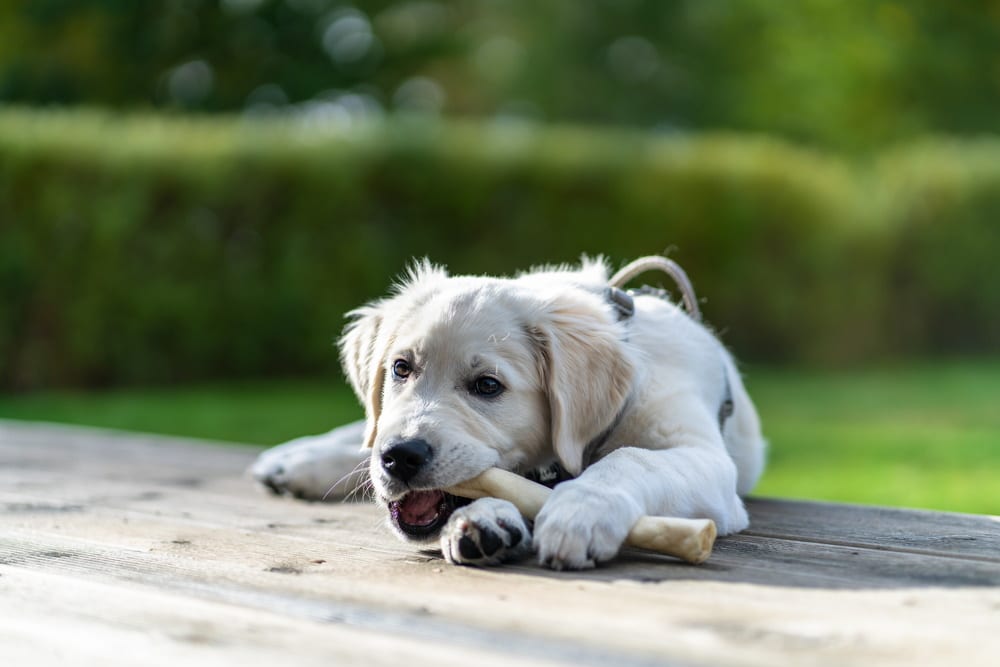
367	338
588	374
362	352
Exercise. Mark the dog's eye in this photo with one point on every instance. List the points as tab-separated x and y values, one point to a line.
487	386
401	369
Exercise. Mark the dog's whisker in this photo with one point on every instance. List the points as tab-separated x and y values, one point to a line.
362	491
358	489
356	470
355	492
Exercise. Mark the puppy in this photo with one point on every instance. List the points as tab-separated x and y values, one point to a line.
629	399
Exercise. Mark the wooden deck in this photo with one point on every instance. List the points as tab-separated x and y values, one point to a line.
122	549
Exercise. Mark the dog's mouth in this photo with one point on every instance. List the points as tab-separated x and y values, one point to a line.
422	514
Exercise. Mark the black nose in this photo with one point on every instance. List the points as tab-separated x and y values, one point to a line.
405	459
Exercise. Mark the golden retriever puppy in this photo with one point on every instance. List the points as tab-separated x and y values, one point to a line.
626	403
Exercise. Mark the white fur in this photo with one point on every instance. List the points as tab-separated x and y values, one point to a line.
572	371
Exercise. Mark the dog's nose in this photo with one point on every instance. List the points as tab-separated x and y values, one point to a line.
405	459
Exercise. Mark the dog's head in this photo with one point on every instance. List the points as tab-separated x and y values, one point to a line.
459	374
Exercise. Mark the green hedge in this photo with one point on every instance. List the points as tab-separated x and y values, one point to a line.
146	249
943	204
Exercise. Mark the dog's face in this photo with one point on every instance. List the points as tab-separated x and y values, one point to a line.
461	374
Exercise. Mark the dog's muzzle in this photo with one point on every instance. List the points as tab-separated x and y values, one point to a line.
418	515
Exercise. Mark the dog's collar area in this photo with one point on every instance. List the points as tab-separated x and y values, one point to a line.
593	448
550	475
621	301
727	407
624	305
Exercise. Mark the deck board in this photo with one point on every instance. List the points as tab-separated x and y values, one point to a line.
97	528
944	533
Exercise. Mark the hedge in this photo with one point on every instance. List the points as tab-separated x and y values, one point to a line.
155	249
943	212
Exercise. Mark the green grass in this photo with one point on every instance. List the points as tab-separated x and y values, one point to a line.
256	412
917	436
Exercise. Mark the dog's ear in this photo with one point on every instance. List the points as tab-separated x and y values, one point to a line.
367	338
363	348
587	373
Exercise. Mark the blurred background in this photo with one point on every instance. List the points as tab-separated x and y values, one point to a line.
193	192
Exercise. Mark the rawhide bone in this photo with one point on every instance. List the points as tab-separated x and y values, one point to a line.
688	539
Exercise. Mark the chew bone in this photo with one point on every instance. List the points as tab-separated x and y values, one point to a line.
688	539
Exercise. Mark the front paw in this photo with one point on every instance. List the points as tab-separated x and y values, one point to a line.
322	467
488	531
580	526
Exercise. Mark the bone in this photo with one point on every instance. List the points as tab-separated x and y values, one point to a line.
690	540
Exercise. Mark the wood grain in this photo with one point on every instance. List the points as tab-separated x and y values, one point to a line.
116	545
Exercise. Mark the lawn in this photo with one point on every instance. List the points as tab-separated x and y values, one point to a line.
918	436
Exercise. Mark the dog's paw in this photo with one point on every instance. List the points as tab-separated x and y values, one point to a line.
322	467
580	526
488	531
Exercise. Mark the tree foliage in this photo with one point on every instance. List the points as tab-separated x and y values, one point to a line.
851	75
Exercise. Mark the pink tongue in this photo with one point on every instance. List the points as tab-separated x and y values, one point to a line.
420	508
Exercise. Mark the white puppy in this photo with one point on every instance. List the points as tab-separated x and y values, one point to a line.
632	399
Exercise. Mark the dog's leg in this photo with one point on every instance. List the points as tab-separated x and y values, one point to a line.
331	466
488	531
586	520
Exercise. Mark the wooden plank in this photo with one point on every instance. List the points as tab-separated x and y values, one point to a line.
57	619
127	518
743	558
623	619
786	545
916	531
58	448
